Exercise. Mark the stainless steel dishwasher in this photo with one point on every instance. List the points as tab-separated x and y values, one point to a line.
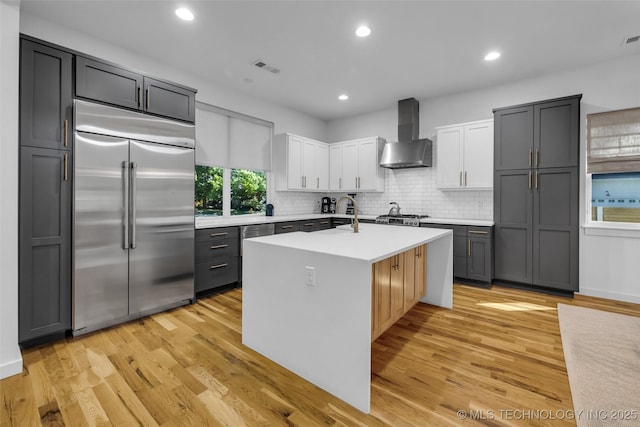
256	230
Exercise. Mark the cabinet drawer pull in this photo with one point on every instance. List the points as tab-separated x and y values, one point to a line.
537	175
465	178
66	133
460	179
218	234
339	182
537	158
287	226
469	246
139	96
324	222
478	232
219	246
530	157
148	98
66	167
309	224
529	180
213	267
318	183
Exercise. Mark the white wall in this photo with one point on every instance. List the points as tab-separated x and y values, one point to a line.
10	358
608	265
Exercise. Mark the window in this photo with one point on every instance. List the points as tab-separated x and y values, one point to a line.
613	160
247	190
233	153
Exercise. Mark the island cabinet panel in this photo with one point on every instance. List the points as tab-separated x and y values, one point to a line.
217	258
399	282
415	276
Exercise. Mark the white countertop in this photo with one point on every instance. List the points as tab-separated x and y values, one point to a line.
209	222
373	243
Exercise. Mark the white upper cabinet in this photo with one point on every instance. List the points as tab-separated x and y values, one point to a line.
300	164
465	156
335	167
355	165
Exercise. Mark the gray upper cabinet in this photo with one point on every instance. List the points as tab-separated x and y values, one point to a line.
169	100
45	243
536	200
513	138
107	83
118	86
556	140
46	96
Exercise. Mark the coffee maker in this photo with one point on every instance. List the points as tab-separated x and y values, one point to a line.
326	205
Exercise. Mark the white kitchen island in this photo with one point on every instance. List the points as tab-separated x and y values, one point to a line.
307	299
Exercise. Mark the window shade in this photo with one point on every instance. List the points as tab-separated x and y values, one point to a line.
232	140
613	141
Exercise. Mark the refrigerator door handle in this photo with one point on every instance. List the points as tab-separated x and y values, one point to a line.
125	200
134	167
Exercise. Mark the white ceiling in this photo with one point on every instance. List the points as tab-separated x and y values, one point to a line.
417	48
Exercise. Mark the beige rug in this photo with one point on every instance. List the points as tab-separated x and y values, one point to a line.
602	353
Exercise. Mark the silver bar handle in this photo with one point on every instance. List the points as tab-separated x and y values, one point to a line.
460	178
213	267
339	182
287	226
125	203
134	192
318	182
465	178
478	232
217	234
219	246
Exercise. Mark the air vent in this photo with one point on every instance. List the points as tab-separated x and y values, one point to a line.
263	65
629	40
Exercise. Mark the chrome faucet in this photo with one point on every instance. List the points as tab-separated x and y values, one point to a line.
354	224
395	209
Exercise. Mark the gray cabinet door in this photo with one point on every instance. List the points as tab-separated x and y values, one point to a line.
555	228
169	100
479	265
45	242
513	138
46	96
107	83
513	212
556	130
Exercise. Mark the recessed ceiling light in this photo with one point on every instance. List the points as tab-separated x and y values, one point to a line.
343	97
363	31
184	14
492	56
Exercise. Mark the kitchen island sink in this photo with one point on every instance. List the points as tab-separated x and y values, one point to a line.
307	298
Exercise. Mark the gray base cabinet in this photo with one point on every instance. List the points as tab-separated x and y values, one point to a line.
217	258
472	251
536	194
45	243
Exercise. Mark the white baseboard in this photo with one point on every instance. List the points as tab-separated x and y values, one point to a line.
10	368
617	296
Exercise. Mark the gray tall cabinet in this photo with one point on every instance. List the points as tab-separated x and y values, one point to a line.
46	100
536	158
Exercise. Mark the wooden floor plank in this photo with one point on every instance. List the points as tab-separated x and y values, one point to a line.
498	350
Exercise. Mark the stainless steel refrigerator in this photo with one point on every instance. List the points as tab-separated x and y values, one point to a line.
133	226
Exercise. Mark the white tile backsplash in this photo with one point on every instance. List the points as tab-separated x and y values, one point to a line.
413	189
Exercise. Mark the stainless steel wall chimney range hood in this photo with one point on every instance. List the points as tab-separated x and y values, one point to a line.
409	151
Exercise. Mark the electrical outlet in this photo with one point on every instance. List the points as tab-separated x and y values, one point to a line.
310	278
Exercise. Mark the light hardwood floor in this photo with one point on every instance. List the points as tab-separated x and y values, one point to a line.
498	350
